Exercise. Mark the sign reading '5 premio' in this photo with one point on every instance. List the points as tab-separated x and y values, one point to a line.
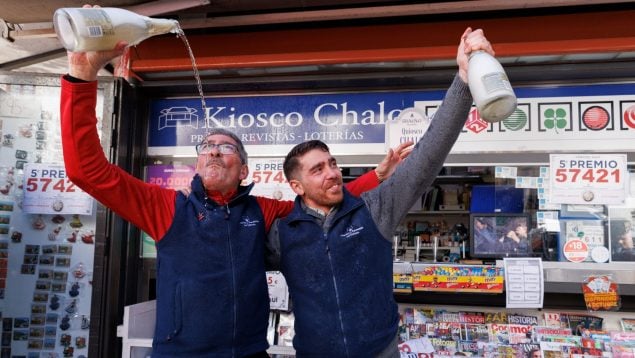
588	178
47	190
269	177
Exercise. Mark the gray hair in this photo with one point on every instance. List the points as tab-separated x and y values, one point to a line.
242	153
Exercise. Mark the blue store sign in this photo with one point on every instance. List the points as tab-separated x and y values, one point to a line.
348	118
554	118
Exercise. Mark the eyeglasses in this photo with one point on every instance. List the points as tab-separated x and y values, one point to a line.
225	148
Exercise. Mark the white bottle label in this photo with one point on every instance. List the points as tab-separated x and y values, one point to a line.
98	23
496	81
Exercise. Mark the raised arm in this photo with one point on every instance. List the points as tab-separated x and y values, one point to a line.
390	202
146	206
384	170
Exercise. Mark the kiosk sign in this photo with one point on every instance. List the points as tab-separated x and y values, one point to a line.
588	178
410	125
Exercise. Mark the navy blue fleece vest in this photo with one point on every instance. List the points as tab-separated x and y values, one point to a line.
212	298
340	282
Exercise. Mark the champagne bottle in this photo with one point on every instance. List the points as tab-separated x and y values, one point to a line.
95	29
490	87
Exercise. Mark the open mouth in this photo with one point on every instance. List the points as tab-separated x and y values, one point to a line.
215	163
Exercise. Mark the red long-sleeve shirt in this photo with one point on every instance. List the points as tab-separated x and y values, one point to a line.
147	206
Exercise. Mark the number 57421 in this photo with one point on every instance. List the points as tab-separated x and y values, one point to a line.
575	175
49	184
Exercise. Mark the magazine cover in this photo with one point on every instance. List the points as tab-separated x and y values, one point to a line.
625	337
447	316
499	333
475	332
539	332
579	323
416	331
601	293
496	317
552	319
469	349
622	351
419	345
522	319
554	349
444	347
527	350
573	340
423	315
471	317
506	351
519	333
627	324
583	352
285	329
447	330
407	316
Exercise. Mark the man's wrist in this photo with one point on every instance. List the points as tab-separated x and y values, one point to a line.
380	178
74	79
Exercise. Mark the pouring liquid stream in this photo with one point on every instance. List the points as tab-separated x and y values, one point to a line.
199	85
123	63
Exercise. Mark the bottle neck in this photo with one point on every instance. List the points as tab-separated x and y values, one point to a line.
162	26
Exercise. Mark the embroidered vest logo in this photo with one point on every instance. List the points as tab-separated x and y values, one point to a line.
247	222
352	231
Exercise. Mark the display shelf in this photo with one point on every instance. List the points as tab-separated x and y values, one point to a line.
412	248
563	285
439	212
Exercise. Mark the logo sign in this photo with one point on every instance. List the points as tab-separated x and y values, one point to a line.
276	123
629	116
516	121
575	250
410	125
596	118
474	122
588	178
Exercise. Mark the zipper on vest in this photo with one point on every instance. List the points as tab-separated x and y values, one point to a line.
337	293
227	211
233	284
171	335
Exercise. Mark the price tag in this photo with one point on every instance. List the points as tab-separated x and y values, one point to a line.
47	190
278	291
588	178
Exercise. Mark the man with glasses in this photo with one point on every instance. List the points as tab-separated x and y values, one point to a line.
212	297
334	249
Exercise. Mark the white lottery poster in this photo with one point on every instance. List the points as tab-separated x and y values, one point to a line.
588	178
47	190
269	178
